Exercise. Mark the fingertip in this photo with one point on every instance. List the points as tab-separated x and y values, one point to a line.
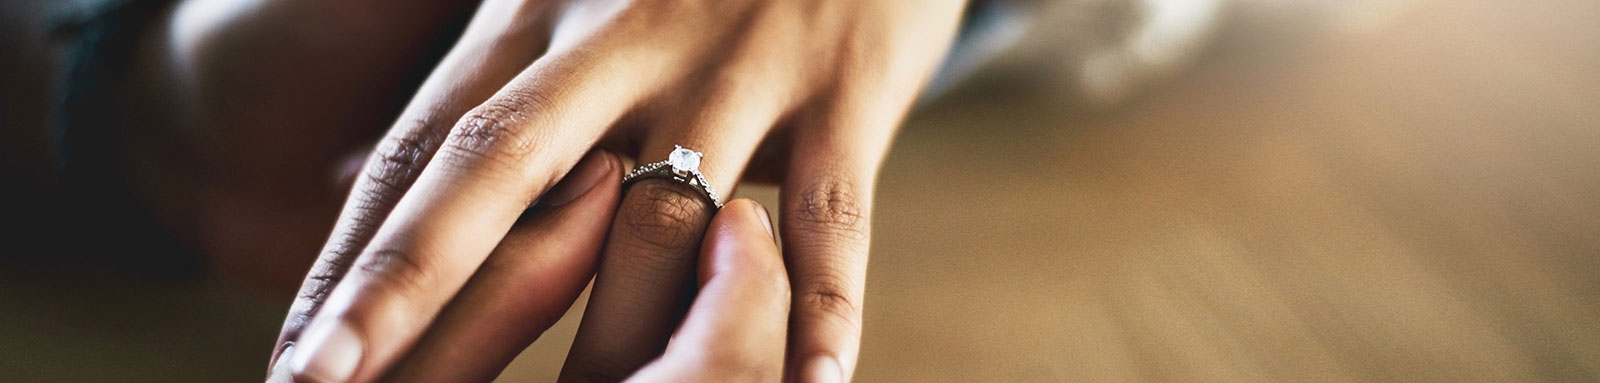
280	372
589	173
612	174
822	369
742	221
613	164
738	238
613	169
330	352
766	219
741	216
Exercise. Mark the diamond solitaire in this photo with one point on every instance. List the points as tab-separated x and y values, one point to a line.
682	165
684	161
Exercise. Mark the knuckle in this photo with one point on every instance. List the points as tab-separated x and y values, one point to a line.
396	271
662	216
342	249
312	293
363	214
831	207
497	129
398	160
483	130
831	296
324	276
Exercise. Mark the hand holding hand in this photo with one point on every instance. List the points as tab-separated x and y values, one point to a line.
807	93
735	330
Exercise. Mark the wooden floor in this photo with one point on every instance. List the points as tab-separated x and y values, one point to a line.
1416	199
1416	202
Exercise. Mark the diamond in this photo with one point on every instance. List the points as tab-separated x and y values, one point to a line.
684	160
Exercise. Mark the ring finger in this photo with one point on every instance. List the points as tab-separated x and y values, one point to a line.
646	273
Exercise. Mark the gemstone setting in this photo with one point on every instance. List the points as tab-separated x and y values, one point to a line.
684	160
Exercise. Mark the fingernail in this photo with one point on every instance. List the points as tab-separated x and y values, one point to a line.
822	369
350	166
766	220
594	167
280	372
328	353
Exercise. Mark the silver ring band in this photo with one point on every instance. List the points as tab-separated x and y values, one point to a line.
683	165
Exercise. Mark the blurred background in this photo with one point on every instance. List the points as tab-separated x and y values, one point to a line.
1130	190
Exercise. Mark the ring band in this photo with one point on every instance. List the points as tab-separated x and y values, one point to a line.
683	165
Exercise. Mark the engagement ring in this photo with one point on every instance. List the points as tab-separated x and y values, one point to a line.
683	165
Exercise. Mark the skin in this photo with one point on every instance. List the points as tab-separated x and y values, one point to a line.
499	121
254	120
733	332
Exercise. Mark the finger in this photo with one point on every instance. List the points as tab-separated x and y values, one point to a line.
827	197
735	330
472	72
498	158
523	287
643	282
645	275
827	191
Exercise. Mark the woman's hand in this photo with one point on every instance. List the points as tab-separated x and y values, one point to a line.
804	92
